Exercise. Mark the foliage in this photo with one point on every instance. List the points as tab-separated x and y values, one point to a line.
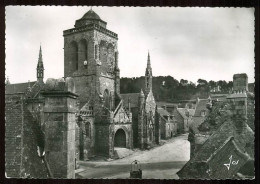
166	88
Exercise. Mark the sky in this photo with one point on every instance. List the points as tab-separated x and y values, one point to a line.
185	43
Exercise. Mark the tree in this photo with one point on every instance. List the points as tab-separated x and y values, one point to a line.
212	84
183	82
202	82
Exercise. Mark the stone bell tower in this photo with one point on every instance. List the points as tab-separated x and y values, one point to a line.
90	53
91	59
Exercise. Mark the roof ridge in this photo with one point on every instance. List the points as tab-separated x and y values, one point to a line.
22	83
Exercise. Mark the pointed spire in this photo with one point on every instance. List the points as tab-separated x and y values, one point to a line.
40	56
148	60
40	68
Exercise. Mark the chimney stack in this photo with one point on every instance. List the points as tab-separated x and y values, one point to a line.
238	100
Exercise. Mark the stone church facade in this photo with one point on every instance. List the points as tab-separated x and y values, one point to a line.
82	114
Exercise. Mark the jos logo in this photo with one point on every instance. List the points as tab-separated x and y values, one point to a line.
231	162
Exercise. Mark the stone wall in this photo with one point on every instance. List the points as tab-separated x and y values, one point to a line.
13	135
22	137
102	139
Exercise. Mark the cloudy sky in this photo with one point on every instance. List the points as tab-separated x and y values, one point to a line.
188	43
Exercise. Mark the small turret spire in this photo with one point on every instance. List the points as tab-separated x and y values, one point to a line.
40	67
148	60
148	76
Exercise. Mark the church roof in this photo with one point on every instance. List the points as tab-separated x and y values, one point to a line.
91	15
133	97
18	88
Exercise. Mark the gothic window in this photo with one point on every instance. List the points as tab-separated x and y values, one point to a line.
88	129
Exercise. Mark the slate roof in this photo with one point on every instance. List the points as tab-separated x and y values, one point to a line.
133	97
163	112
191	111
226	130
182	112
18	88
201	105
197	121
166	103
217	140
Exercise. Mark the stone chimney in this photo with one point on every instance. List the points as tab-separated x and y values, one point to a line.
240	82
238	100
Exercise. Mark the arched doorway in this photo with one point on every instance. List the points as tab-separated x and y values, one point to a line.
120	138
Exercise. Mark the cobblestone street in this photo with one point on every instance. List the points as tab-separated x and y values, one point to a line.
161	162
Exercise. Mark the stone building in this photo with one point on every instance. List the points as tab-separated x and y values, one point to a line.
184	118
168	123
224	141
146	130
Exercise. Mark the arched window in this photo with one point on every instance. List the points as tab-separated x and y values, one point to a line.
83	51
74	55
88	129
96	51
103	53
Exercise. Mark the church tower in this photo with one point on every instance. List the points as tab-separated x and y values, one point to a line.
148	76
40	68
90	57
